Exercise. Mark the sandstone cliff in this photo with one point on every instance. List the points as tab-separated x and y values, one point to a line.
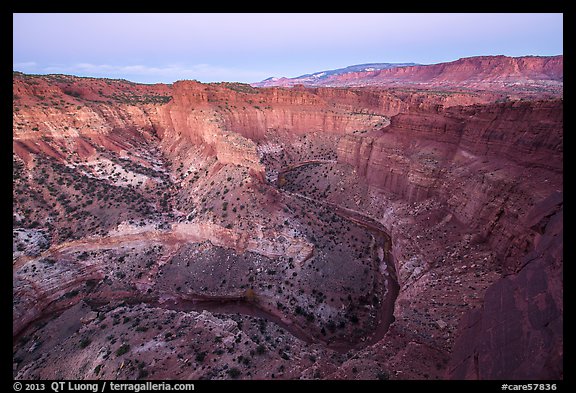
517	333
470	157
324	202
492	73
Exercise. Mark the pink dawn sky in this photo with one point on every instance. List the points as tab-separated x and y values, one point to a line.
152	48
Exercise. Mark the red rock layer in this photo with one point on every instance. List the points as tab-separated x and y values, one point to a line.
487	163
488	166
527	73
481	69
517	334
224	119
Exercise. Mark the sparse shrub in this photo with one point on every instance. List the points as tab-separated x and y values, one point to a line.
200	356
233	372
123	349
85	342
71	294
382	375
142	373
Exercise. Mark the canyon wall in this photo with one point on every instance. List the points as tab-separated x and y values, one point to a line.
222	121
488	163
497	172
517	333
189	112
431	163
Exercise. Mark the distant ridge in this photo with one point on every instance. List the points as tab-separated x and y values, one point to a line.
479	72
318	77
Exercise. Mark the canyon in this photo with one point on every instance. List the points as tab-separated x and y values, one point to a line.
226	231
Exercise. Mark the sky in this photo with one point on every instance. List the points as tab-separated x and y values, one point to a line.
238	47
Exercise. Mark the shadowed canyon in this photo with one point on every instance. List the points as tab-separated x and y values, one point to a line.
406	229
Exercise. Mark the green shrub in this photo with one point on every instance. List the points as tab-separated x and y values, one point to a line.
85	342
124	348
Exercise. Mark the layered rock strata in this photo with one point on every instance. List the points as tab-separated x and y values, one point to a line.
224	191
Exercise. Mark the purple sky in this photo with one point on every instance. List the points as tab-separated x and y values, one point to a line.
153	48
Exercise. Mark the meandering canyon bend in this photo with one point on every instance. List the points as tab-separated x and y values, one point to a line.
218	231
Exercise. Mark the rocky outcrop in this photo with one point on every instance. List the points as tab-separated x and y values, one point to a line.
45	286
526	73
517	333
52	281
495	172
167	184
223	119
481	71
456	156
527	132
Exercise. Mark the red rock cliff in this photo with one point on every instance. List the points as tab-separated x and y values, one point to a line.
488	163
513	74
492	170
517	333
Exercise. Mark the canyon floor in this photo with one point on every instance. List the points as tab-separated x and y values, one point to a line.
219	231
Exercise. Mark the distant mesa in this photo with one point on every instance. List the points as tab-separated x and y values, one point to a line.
320	76
480	72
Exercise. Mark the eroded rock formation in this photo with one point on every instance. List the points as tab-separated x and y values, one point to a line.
288	233
536	74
